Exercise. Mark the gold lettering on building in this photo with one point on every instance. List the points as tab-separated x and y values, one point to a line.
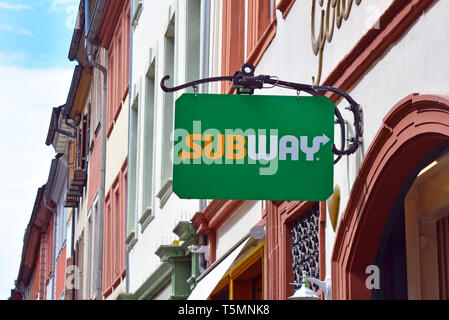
337	10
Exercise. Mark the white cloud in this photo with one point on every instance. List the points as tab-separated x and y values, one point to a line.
15	6
70	8
23	31
10	58
9	28
27	98
6	27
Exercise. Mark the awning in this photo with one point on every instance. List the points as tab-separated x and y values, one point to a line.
205	287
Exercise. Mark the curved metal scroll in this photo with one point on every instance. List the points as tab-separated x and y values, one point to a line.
245	82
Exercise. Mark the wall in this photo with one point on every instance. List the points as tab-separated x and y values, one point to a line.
238	225
148	44
405	68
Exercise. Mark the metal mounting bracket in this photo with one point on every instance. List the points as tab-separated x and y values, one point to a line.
246	82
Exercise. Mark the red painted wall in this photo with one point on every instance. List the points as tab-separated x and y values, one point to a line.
114	264
37	277
49	250
60	274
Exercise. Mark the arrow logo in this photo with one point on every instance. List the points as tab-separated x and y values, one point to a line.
317	142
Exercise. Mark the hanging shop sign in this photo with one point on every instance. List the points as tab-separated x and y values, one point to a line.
253	147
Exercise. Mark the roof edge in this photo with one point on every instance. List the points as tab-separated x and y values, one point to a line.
52	128
77	32
72	92
96	19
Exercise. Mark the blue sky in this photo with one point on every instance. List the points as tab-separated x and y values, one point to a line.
36	33
35	76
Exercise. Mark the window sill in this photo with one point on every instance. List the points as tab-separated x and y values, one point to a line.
165	192
131	240
97	129
136	14
145	219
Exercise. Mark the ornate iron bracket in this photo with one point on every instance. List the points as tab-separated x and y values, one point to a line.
246	82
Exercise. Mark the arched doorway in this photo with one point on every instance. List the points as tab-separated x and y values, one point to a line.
412	131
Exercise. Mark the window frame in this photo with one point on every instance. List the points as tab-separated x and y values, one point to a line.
114	221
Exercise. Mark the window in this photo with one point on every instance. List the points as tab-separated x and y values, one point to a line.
36	278
69	237
82	142
305	246
60	225
244	280
148	140
259	14
79	255
133	167
114	265
48	291
193	40
169	68
96	95
89	260
49	251
118	67
91	257
244	23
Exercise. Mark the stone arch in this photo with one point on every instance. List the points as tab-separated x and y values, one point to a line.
413	128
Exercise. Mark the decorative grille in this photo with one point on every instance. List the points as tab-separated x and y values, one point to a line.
305	247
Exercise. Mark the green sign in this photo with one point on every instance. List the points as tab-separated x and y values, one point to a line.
257	147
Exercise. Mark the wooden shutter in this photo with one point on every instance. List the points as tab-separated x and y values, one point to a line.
85	141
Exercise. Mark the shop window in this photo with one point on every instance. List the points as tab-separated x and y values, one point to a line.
248	285
221	294
244	280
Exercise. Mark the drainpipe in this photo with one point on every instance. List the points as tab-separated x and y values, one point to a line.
101	192
61	131
129	134
53	256
66	120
